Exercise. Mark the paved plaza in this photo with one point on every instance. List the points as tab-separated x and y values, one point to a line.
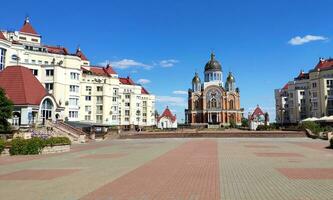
179	169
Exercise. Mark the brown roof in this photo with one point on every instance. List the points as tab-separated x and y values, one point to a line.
2	37
81	55
285	87
324	64
27	28
99	71
21	86
126	81
257	112
144	91
57	50
168	114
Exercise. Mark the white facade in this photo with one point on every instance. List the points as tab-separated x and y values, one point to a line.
88	97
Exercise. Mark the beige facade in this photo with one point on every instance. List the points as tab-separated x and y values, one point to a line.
88	94
308	95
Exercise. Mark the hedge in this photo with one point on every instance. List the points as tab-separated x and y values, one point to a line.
2	145
35	145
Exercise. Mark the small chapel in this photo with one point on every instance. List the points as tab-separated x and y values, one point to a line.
213	103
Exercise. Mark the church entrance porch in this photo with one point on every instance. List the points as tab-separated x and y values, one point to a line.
214	118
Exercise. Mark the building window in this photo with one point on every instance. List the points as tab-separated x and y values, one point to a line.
22	38
99	109
73	101
73	114
127	96
87	117
114	99
330	92
49	86
314	94
35	72
99	99
2	58
99	88
126	119
88	88
302	93
127	104
49	72
314	85
99	118
329	83
88	98
74	88
75	76
127	112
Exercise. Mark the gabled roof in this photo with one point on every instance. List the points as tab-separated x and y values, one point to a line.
168	114
126	81
2	37
99	71
57	50
81	55
21	86
257	112
27	28
302	75
324	64
144	91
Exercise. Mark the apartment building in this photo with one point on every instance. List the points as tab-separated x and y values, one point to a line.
87	93
308	95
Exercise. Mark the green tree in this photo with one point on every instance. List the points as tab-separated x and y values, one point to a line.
245	122
6	109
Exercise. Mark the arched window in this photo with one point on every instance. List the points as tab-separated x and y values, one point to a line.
213	103
231	104
47	109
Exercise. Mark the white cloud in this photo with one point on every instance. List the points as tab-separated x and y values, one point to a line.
179	92
308	38
143	81
168	63
173	101
126	63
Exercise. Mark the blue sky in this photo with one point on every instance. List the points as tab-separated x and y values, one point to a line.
165	42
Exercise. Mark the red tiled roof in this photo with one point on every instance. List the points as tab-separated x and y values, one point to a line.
144	91
285	87
2	37
81	55
27	28
99	71
126	81
168	114
21	86
324	64
257	112
57	50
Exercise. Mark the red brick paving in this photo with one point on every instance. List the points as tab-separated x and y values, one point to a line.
279	155
307	173
190	171
104	156
37	174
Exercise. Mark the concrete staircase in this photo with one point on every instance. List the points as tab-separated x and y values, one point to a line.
61	128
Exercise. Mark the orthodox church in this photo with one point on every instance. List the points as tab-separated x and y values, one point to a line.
212	103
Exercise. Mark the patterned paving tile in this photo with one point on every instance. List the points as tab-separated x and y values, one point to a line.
190	171
275	154
38	174
104	156
261	146
307	173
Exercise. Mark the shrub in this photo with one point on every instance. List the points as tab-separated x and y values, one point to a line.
35	145
57	141
313	126
2	145
331	142
266	127
232	123
245	122
18	147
